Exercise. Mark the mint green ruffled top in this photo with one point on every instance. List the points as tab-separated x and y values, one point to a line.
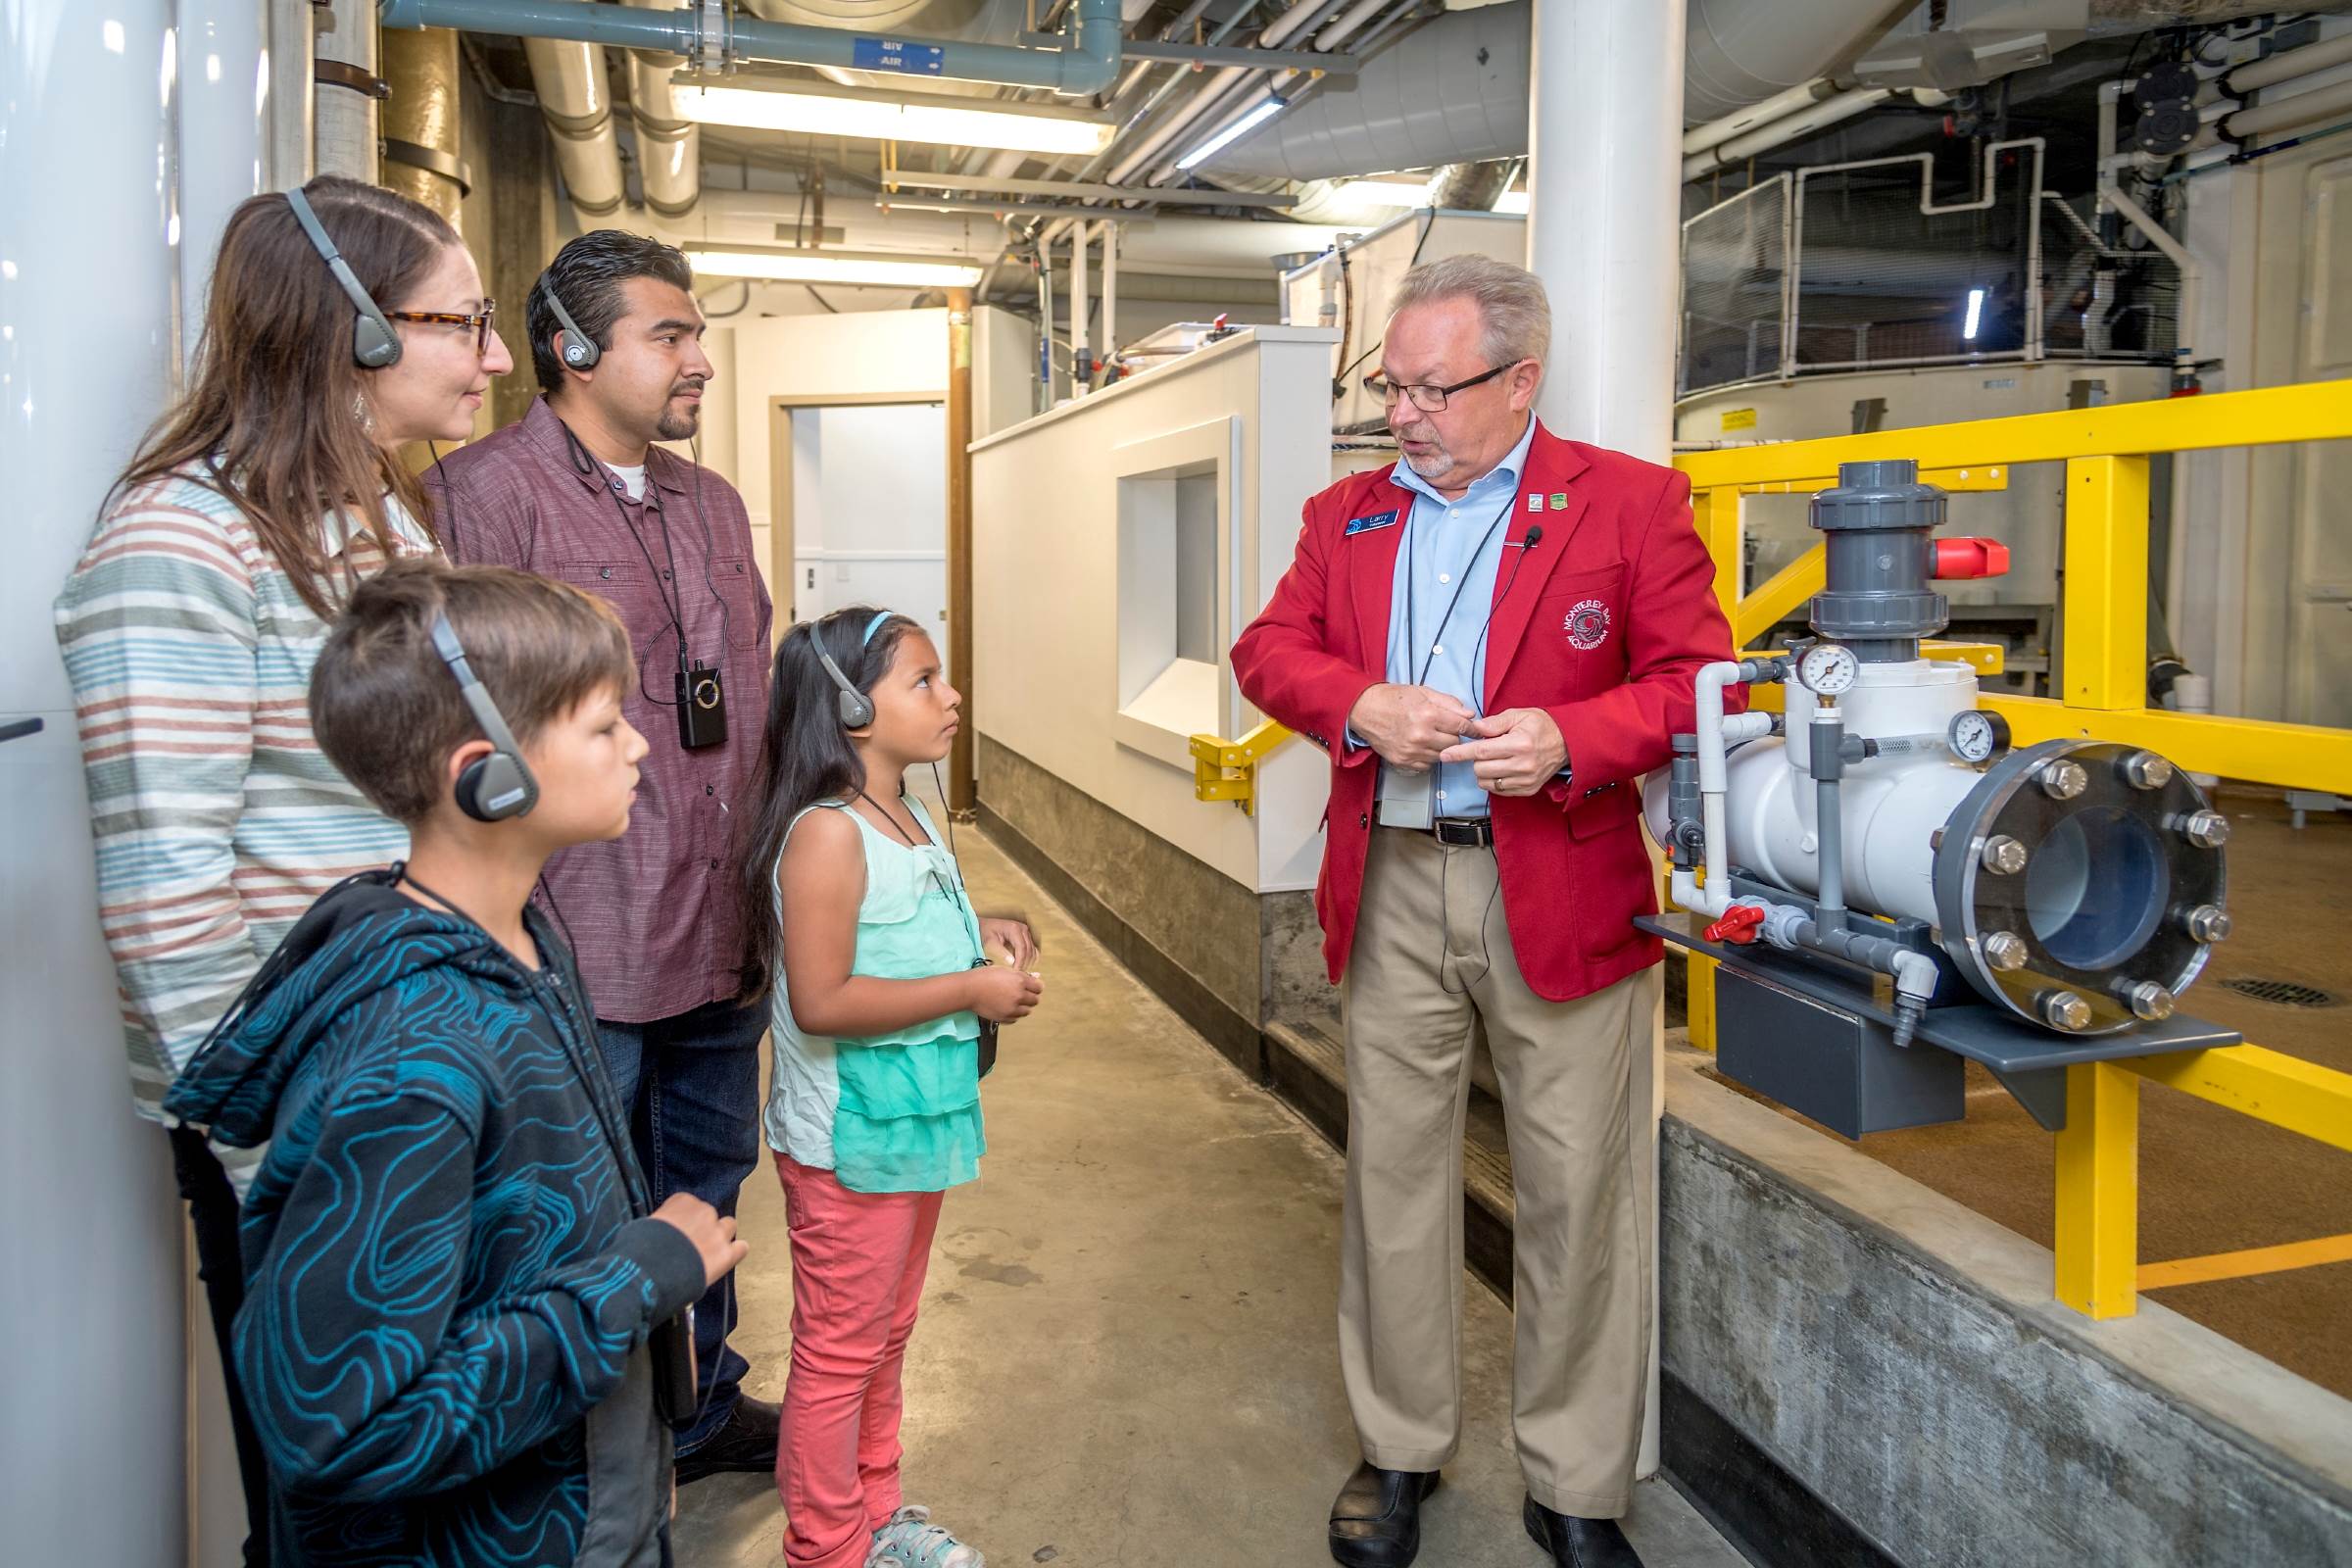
897	1112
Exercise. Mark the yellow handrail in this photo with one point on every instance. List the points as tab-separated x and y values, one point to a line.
2103	663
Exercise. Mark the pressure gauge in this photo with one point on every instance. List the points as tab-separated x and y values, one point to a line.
1979	735
1829	669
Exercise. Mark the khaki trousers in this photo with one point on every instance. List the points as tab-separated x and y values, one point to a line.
1432	964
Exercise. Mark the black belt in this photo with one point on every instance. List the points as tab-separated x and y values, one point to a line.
1462	832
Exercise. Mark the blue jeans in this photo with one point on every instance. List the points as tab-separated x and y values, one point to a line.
693	1085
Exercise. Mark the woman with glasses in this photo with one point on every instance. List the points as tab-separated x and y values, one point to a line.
344	324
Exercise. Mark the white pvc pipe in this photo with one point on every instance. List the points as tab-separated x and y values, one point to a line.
293	94
1337	32
2290	113
1782	131
1603	229
224	135
1079	379
1715	132
1111	289
2288	64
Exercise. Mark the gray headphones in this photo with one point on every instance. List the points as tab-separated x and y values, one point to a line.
575	348
496	787
856	708
374	343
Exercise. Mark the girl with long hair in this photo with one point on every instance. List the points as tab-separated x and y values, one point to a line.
881	984
191	623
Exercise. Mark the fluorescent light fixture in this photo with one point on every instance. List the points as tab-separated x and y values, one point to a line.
1234	132
1512	201
893	117
879	268
1976	310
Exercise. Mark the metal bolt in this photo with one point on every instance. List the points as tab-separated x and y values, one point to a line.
2003	855
2063	1009
2145	770
2207	923
2063	780
2207	830
2005	950
2148	999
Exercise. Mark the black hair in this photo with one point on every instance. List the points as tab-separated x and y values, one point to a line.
807	757
587	275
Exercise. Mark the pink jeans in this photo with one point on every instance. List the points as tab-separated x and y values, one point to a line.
858	1261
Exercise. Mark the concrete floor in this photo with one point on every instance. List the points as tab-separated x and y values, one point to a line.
1126	1355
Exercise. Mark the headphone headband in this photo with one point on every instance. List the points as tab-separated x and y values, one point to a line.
498	786
374	343
578	350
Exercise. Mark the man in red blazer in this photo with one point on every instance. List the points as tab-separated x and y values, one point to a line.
1493	640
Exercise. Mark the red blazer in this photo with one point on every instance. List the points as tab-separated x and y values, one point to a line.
1605	626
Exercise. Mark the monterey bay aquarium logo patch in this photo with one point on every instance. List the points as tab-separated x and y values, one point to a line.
1587	625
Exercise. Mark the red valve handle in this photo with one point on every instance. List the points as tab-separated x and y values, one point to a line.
1738	925
1970	557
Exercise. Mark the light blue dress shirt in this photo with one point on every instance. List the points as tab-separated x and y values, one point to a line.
1448	546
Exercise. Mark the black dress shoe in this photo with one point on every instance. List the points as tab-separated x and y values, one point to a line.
746	1442
1375	1520
1576	1542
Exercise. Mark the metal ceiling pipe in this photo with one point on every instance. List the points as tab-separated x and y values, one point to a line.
576	101
669	146
2289	114
1715	132
2287	64
1217	88
1738	52
345	115
421	121
1085	64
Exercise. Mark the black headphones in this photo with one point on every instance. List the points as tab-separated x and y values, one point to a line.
374	343
856	708
575	348
496	787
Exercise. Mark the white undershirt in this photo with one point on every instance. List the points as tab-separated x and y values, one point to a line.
631	479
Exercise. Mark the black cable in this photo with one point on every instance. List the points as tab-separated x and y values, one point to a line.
830	308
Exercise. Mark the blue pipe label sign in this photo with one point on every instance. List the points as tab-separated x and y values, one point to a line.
889	54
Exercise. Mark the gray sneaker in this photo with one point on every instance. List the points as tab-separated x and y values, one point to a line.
912	1541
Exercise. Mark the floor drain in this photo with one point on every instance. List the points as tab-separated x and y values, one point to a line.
2285	993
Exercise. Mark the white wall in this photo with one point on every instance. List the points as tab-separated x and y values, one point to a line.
93	1445
870	509
1046	585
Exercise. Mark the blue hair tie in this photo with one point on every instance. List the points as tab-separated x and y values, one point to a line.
875	625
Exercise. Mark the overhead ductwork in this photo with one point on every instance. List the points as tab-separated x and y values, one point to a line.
669	146
1456	90
576	101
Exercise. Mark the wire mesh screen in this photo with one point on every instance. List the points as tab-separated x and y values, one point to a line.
2101	300
1894	269
1735	295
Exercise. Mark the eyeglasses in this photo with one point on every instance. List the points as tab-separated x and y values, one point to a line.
479	321
1425	397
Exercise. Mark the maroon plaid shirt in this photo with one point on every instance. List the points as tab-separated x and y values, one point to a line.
653	915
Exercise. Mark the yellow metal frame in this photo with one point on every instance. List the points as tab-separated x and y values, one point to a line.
2103	662
1227	771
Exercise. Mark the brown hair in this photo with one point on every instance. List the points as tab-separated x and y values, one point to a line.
386	707
271	417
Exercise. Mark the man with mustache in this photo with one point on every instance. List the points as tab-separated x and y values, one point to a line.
577	490
1492	639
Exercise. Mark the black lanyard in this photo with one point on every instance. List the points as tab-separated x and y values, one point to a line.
979	955
1412	632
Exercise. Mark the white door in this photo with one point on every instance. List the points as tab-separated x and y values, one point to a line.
870	510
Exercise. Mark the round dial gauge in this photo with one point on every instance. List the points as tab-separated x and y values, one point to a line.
1827	669
1977	735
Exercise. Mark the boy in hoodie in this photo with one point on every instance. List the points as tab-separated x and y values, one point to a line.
452	1262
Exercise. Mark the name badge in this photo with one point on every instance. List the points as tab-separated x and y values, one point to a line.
1378	520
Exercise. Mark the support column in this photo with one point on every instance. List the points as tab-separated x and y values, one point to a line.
1079	377
88	276
349	129
1109	335
223	136
962	794
2097	1242
1604	186
293	94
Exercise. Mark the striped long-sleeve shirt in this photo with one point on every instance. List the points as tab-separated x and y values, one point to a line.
216	819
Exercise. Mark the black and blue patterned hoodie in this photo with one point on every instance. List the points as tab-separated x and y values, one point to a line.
450	1275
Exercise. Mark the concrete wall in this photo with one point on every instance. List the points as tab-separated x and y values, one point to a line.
1902	1359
